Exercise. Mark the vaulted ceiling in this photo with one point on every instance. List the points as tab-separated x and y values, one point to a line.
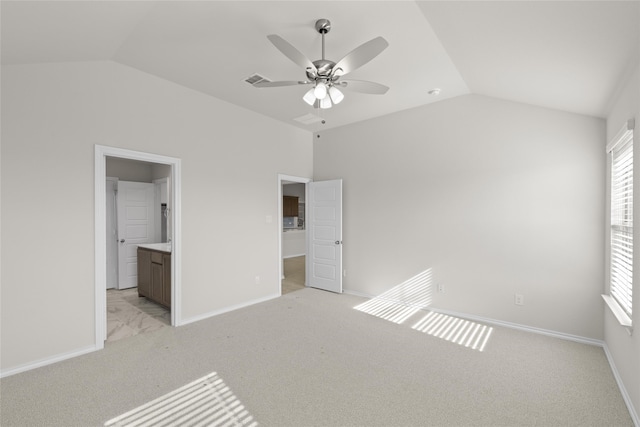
567	55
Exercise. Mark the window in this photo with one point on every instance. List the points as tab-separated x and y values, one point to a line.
621	273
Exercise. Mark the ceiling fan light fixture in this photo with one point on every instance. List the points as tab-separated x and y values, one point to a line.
320	91
309	97
336	95
325	103
325	74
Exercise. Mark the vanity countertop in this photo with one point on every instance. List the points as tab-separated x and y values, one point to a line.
164	247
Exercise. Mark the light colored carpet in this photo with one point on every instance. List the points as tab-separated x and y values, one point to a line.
309	358
207	401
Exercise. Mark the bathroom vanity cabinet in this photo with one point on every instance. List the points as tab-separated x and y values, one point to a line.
154	275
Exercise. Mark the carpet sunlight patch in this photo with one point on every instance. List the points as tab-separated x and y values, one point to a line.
454	329
207	401
387	310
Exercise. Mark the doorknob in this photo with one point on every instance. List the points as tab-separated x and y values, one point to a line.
121	240
338	242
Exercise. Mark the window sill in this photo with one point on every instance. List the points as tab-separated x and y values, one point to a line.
622	317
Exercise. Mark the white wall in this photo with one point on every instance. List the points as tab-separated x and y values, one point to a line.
160	171
495	197
52	116
129	170
296	190
294	243
625	349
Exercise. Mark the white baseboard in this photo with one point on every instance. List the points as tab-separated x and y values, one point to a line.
547	332
227	309
623	390
356	293
47	361
555	334
80	352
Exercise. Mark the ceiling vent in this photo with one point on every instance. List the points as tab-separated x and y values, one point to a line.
256	78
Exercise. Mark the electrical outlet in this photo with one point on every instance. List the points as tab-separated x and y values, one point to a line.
441	287
519	299
257	280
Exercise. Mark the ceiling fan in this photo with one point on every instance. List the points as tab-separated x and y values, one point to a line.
326	75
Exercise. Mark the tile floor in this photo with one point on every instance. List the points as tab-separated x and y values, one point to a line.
129	315
293	274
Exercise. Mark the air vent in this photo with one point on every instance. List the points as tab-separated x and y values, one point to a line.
256	78
308	119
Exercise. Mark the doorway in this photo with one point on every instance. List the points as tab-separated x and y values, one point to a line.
174	230
293	232
137	213
294	274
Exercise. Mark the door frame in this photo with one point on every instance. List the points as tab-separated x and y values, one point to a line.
100	157
289	179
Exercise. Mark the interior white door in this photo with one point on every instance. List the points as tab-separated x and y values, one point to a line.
135	226
324	214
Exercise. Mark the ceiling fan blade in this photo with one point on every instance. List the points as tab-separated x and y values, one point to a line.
365	86
281	83
360	56
291	52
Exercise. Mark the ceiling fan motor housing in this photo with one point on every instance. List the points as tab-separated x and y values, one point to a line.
324	67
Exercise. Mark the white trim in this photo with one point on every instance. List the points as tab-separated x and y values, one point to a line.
525	328
619	313
100	261
301	180
176	243
228	309
48	361
629	125
510	325
357	294
100	155
623	390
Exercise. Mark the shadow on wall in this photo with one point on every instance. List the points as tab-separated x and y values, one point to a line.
402	301
413	295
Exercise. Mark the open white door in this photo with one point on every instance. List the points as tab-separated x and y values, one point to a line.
135	226
324	216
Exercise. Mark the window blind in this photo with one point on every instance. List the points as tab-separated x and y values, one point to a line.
621	284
